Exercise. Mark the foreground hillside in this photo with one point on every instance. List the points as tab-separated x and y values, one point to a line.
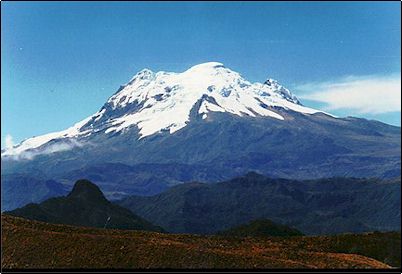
32	244
261	228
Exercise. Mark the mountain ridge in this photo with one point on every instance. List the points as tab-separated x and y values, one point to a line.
85	205
314	207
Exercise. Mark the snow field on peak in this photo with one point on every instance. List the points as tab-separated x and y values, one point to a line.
169	97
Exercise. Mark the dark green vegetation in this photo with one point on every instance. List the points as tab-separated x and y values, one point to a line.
325	206
32	244
222	147
261	228
85	205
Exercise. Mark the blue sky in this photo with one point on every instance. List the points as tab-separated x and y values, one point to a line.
61	61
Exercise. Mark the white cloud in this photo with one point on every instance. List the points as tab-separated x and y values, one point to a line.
47	149
9	142
364	94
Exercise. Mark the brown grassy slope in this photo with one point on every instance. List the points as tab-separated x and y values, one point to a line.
382	246
32	244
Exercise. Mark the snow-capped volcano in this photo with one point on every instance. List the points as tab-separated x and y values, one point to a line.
164	100
205	124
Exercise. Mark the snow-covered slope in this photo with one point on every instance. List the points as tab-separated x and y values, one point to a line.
164	100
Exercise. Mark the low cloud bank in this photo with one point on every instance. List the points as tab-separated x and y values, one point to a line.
42	150
364	94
